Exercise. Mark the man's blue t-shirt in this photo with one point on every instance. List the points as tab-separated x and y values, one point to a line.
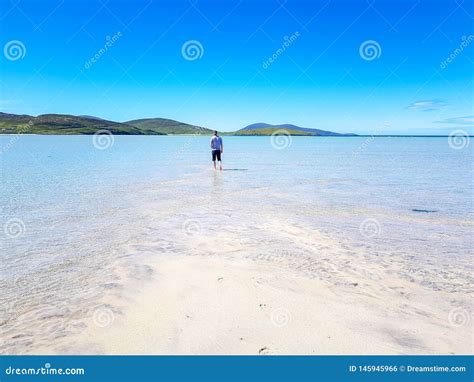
216	143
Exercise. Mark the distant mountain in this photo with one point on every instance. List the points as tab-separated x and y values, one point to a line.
267	129
168	126
55	124
90	117
271	130
62	124
85	124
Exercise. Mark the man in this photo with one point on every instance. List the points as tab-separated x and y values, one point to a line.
217	148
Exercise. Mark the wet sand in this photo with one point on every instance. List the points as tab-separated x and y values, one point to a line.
207	306
221	301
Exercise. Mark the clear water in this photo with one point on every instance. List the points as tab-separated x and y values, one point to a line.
79	222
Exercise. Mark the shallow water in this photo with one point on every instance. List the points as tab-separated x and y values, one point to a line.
79	222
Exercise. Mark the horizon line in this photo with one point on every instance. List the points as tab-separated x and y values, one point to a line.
349	134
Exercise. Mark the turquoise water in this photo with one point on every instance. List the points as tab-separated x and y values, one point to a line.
394	174
73	215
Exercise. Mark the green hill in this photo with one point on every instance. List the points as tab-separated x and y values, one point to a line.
63	124
270	131
168	126
55	124
267	129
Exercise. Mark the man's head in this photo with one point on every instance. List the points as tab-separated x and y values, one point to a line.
215	132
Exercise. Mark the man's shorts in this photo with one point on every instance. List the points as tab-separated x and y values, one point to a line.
216	154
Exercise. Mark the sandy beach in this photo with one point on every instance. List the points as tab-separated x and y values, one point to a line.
276	259
207	306
223	303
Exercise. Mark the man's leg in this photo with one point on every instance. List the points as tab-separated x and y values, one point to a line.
220	160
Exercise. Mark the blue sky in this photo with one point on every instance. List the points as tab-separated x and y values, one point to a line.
418	81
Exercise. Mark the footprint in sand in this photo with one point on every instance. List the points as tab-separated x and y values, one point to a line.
264	351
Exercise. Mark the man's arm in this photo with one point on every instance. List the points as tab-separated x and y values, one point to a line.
222	146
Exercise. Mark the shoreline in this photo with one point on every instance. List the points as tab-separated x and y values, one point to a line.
242	135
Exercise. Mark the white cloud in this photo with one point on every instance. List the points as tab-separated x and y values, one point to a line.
468	120
427	105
